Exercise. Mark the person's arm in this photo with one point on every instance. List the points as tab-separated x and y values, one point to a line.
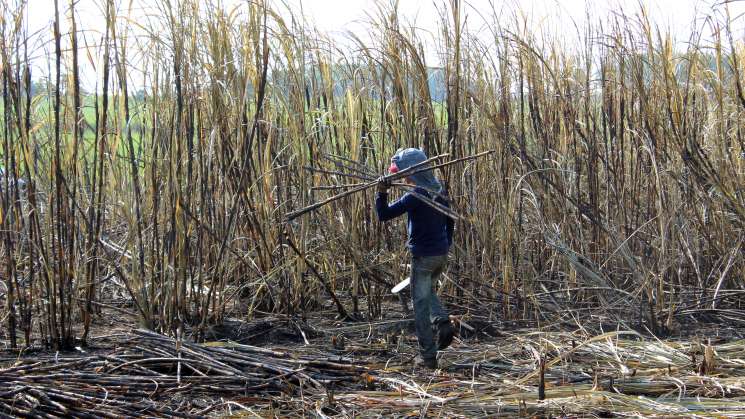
449	221
386	212
450	227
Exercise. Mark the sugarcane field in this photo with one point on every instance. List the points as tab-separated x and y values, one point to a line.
372	209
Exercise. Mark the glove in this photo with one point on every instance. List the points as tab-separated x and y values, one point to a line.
383	184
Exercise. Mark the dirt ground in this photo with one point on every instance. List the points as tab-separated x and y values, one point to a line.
493	369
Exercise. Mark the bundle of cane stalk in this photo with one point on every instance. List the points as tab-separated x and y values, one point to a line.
370	181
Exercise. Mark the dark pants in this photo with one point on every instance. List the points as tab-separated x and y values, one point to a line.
427	308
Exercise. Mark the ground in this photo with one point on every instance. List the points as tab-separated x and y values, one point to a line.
277	366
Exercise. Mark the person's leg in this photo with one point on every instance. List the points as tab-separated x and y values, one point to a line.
421	296
438	314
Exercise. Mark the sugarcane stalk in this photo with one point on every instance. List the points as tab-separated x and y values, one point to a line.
417	168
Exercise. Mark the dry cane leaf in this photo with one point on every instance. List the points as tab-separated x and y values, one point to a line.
709	358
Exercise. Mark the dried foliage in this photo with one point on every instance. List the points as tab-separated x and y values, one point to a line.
353	370
615	188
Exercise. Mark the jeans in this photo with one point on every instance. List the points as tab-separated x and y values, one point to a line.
427	308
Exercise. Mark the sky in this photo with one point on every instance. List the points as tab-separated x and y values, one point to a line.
333	15
336	17
339	15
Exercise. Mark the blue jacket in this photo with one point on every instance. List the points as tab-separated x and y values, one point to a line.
430	232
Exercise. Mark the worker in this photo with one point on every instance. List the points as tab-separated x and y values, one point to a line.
430	236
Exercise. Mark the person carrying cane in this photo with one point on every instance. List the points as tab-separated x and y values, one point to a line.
430	235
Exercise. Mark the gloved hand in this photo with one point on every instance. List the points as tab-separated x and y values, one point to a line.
383	184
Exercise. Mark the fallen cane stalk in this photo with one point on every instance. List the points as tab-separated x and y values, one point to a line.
339	306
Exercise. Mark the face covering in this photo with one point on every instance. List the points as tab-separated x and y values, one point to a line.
403	159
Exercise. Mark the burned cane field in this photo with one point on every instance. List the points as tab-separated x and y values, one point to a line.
189	225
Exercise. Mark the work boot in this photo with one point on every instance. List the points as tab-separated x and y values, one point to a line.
421	362
430	363
445	333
